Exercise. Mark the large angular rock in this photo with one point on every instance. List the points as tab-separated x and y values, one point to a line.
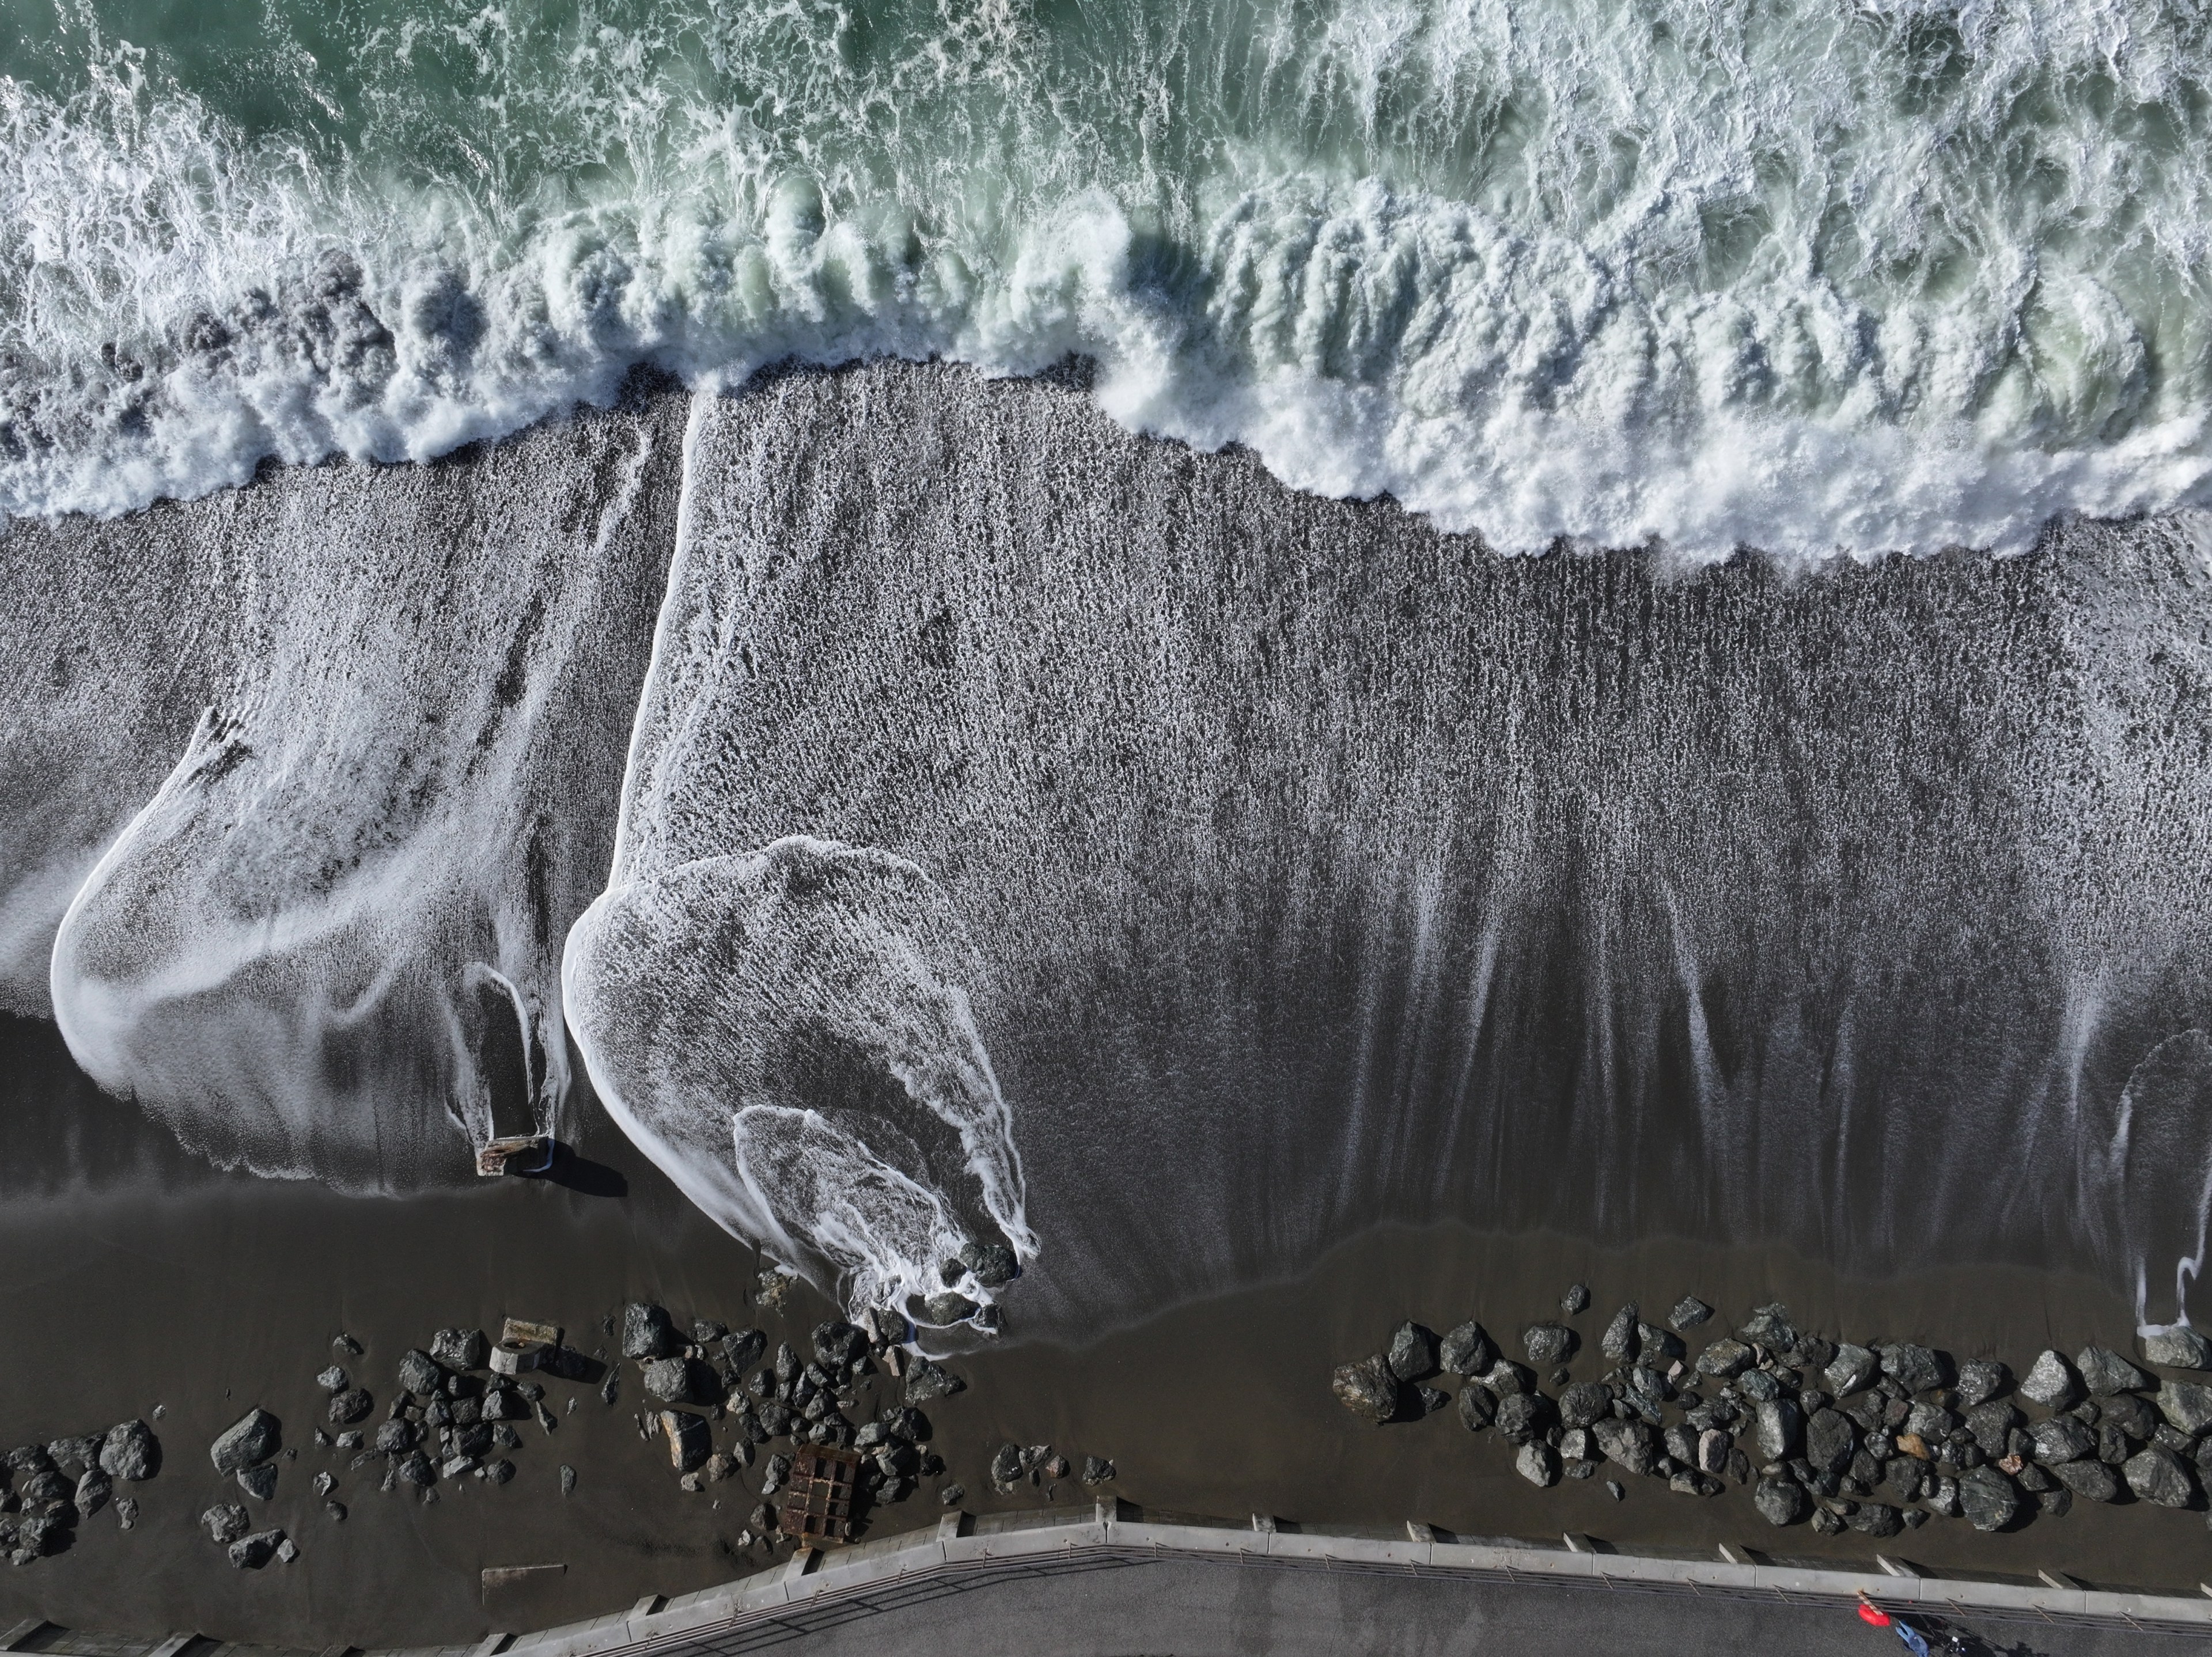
2132	1414
1725	1359
1916	1369
1830	1440
461	1349
1715	1446
1781	1502
225	1522
1770	1326
1538	1463
259	1483
1618	1341
253	1552
742	1347
1576	1301
2186	1405
1468	1349
2093	1481
1629	1444
687	1442
1658	1346
837	1342
419	1373
1506	1378
993	1263
1989	1499
2157	1475
926	1380
1368	1388
1412	1352
1478	1406
1981	1381
2050	1381
251	1439
681	1380
1851	1370
646	1332
2061	1438
1878	1519
351	1405
1585	1403
1548	1344
1991	1425
1689	1311
129	1451
2104	1371
2178	1348
1521	1415
1778	1426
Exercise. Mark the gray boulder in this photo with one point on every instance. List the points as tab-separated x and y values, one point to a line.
836	1342
681	1380
1851	1370
2130	1414
1576	1301
926	1380
688	1440
1932	1423
2061	1438
461	1349
2104	1371
1877	1520
1981	1381
1585	1403
646	1332
2178	1349
1368	1388
944	1309
1829	1441
1716	1445
1916	1369
1538	1463
253	1552
2091	1480
2050	1381
1468	1349
225	1522
396	1436
1725	1359
1412	1352
993	1263
1506	1378
1478	1406
1618	1341
1770	1326
129	1451
1689	1311
1989	1499
1521	1415
419	1373
1006	1466
253	1437
259	1483
742	1348
351	1405
1629	1444
2156	1474
332	1380
93	1488
1658	1346
1548	1344
2186	1405
1778	1426
1991	1425
1781	1502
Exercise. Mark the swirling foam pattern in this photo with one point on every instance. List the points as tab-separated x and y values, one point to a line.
1895	276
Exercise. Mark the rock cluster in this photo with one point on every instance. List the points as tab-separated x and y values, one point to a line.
47	1490
1013	1466
1876	1438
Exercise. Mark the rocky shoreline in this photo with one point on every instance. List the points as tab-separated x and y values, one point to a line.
1878	1436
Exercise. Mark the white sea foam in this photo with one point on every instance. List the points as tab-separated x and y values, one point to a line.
1899	278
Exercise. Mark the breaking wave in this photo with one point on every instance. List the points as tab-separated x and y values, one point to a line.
1900	275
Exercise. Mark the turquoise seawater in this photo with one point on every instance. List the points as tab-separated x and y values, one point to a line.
1797	273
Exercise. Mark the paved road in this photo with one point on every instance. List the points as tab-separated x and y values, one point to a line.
1183	1607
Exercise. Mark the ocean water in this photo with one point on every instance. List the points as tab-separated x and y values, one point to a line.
1814	277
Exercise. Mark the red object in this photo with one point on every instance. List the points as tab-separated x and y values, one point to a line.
1870	1612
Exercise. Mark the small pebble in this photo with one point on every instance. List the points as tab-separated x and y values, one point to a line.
1612	1488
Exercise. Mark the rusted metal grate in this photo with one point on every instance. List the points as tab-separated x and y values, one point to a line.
819	1501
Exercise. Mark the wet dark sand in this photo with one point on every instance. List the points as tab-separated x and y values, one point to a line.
147	1280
